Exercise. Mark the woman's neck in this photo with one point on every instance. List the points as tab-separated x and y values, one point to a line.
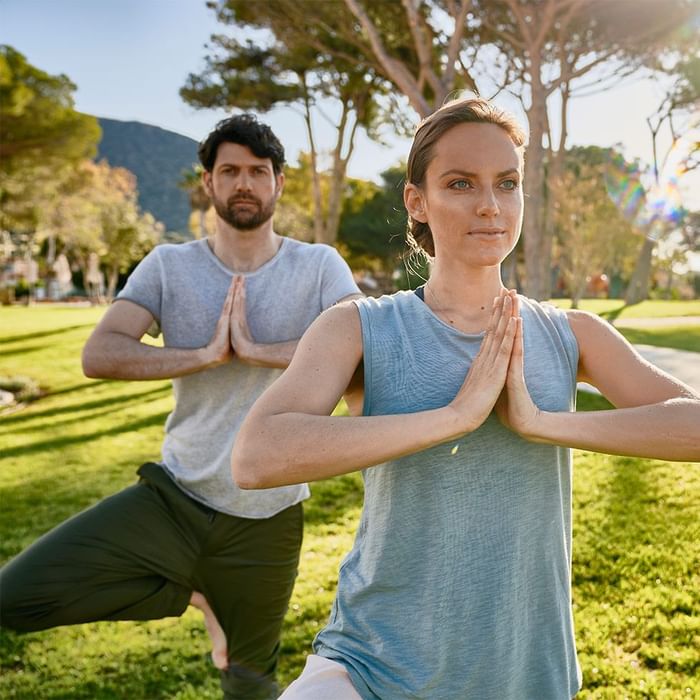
463	298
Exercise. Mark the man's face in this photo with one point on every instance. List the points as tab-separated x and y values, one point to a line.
244	188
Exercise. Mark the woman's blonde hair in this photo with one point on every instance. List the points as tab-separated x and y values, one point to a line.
474	110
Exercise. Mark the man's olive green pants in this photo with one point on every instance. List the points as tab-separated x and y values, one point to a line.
139	554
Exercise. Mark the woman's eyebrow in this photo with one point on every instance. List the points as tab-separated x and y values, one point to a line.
464	173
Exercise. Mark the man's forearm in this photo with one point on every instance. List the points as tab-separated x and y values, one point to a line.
117	356
267	354
668	430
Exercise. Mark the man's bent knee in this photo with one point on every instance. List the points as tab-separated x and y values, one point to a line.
16	611
239	683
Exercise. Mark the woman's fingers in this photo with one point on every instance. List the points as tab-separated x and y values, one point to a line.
499	343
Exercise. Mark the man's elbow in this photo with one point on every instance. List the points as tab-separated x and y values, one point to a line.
92	367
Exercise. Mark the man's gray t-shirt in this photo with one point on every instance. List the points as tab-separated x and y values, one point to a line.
184	286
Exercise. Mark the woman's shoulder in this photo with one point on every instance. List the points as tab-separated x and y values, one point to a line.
397	300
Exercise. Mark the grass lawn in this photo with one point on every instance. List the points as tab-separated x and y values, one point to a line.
636	542
678	337
615	308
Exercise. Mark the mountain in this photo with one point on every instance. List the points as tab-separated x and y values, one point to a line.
157	157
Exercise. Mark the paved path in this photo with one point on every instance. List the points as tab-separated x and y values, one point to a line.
657	322
682	364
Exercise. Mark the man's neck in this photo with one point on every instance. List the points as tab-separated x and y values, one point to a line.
244	251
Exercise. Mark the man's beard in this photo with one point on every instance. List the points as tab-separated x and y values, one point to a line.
244	219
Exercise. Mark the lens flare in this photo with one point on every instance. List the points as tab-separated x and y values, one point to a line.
653	205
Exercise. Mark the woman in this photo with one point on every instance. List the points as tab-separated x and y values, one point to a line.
458	585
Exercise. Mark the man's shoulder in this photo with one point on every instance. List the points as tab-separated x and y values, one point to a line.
310	255
304	248
185	249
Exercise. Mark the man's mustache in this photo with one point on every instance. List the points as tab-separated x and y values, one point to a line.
249	200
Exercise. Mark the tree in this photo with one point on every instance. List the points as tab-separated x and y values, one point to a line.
566	48
592	233
38	118
679	103
99	215
43	139
427	49
200	202
373	225
126	234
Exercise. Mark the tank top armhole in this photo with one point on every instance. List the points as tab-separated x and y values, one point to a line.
569	341
366	329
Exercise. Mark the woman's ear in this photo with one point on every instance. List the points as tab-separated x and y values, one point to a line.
414	202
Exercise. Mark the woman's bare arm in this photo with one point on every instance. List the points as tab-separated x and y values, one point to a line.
656	415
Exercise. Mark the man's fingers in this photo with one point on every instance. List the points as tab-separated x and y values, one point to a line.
230	296
238	296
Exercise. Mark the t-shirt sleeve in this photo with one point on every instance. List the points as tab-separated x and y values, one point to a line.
145	285
336	279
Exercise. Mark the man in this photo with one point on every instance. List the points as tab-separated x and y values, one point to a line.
231	310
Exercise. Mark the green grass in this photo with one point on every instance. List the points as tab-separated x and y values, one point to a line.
615	308
636	542
678	337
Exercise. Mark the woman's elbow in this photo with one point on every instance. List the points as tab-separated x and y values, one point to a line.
248	466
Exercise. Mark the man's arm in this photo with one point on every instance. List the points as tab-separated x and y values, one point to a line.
657	416
115	351
246	349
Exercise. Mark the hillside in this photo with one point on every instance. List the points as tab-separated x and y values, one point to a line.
157	157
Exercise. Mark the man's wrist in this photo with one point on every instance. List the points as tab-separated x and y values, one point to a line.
247	351
208	358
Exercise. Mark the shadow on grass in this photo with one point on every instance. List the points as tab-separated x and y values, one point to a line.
60	424
24	350
587	401
57	443
83	385
127	672
17	418
332	498
45	334
615	313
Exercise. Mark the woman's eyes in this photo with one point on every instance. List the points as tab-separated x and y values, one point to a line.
508	185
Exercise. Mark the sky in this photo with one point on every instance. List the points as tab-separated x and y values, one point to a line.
129	58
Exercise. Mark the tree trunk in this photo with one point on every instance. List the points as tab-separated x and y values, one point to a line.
315	175
578	292
201	227
537	259
552	189
340	164
638	288
112	281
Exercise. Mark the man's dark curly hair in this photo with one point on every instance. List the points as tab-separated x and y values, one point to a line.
246	130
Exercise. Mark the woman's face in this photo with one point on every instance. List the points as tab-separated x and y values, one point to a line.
472	195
